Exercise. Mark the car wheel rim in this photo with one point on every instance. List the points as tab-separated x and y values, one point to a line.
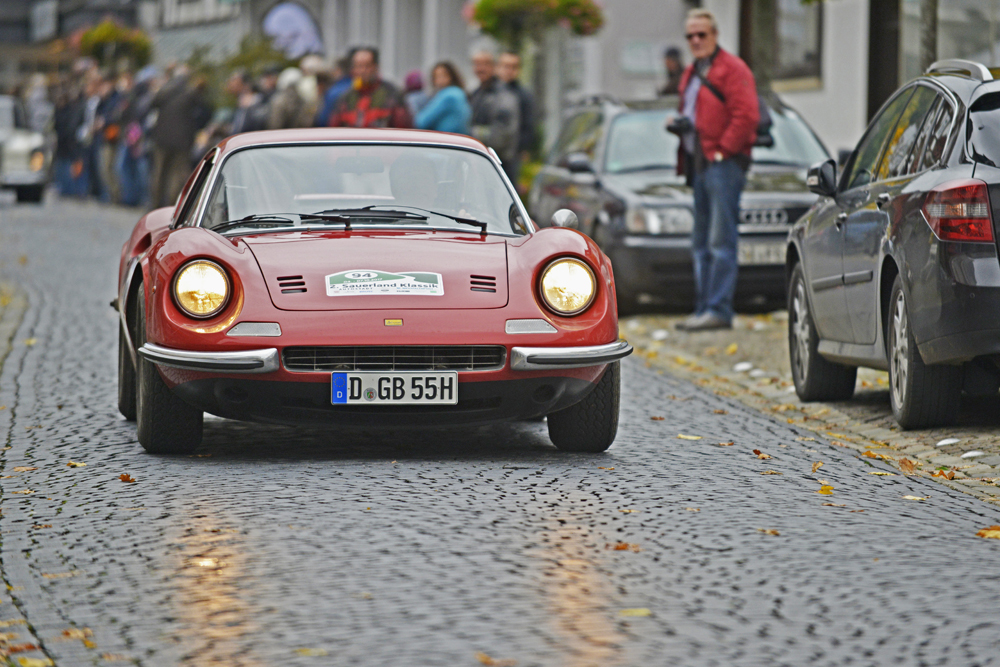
800	331
900	344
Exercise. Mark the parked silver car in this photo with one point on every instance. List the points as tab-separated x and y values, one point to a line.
24	153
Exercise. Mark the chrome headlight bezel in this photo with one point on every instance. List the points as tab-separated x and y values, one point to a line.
177	300
542	292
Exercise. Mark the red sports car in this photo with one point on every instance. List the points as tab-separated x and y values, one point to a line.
359	277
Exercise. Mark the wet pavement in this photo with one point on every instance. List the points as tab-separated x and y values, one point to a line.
288	546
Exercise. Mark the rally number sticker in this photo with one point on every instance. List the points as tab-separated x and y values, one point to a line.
368	282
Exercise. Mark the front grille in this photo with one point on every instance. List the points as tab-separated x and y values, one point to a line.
394	358
770	219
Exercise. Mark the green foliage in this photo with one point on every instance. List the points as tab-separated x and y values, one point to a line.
255	55
510	21
107	42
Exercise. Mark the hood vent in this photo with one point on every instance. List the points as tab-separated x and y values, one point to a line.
483	283
291	284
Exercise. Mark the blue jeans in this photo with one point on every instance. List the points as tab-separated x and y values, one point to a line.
715	238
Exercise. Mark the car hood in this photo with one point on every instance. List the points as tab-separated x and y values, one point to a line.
663	186
382	270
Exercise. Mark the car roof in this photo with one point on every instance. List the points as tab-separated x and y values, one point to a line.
348	134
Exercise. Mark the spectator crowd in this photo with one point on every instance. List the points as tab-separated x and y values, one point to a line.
132	138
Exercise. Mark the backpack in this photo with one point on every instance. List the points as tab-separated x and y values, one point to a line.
764	137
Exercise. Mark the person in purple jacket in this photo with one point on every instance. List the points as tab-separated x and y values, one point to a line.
448	110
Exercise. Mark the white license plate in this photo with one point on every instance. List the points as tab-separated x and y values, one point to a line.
761	253
376	388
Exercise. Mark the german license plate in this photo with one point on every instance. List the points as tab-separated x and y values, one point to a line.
751	254
376	388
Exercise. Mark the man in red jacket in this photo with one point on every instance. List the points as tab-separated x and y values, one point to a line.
371	102
719	98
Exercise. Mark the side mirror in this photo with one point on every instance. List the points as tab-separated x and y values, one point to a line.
565	218
578	163
822	178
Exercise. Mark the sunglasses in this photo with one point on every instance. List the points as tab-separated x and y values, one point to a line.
700	35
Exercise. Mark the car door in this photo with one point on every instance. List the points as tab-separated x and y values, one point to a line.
556	186
867	223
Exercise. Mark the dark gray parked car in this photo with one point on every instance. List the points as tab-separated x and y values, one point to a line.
613	164
896	266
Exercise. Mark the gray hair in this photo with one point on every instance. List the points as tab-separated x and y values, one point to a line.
699	13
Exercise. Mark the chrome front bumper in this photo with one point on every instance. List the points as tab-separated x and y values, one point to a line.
547	358
248	361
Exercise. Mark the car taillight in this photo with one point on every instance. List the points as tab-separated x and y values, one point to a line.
959	211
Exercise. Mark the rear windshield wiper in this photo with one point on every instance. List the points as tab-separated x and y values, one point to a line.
465	221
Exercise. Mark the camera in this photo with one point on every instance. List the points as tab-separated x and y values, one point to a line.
680	125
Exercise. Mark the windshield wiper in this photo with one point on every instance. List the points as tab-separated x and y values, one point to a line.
269	219
457	218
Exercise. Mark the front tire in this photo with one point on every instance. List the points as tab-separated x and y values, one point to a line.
590	425
816	379
921	395
165	423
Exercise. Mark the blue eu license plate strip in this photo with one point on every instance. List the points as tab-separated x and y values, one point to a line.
376	388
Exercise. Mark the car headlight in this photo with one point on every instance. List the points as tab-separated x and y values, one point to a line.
666	220
37	161
568	286
201	289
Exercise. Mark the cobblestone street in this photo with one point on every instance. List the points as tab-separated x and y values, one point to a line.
286	546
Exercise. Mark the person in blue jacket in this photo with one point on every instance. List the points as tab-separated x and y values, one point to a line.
448	110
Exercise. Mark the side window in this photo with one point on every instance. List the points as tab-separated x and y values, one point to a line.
930	121
862	167
937	140
900	142
190	204
580	135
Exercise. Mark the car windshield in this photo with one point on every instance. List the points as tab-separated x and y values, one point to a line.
638	141
369	184
983	138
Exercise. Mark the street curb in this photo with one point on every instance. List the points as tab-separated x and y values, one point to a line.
13	305
771	395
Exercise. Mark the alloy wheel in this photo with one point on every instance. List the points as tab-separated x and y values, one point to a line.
900	347
800	331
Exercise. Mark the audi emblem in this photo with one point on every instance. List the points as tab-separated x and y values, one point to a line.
764	216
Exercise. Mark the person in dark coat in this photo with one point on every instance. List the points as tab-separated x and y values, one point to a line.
182	112
67	120
509	69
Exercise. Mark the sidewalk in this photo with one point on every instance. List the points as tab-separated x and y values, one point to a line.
750	364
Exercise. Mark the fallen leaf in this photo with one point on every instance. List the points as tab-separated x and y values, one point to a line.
768	531
6	637
916	497
34	662
992	532
125	477
20	648
772	472
950	474
872	455
710	351
22	260
883	474
42	525
628	511
657	419
13	621
493	662
311	652
76	464
855	511
721	412
603	468
817	466
30	341
732	348
907	466
726	444
89	644
805	439
825	490
837	443
115	657
688	437
834	505
23	468
761	455
77	633
692	509
639	611
61	575
622	546
25	492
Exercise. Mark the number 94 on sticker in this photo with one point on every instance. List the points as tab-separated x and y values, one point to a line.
376	388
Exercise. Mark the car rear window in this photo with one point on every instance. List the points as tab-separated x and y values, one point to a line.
982	131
